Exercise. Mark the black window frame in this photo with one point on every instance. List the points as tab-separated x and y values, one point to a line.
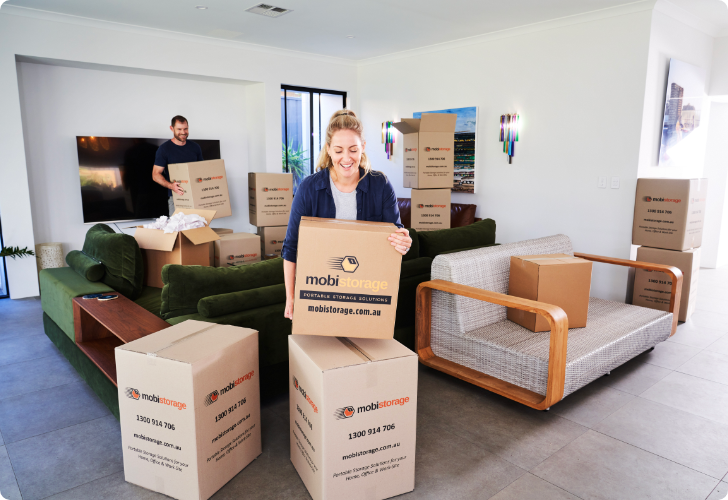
310	90
5	267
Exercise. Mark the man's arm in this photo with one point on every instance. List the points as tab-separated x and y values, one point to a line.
158	177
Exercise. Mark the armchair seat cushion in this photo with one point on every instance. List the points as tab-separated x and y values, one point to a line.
615	333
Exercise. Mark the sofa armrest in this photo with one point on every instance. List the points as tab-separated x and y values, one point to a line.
673	272
229	303
555	316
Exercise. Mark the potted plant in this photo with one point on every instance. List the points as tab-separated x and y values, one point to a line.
297	163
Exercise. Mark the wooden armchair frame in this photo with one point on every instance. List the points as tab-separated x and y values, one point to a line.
555	316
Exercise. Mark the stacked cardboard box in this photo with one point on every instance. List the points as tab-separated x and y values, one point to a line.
429	163
269	200
353	393
668	224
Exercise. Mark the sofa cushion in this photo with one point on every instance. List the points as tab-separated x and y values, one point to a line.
462	214
432	243
184	286
469	248
58	287
227	303
151	300
85	266
414	252
121	257
415	267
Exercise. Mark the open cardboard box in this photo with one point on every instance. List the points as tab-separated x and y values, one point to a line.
190	247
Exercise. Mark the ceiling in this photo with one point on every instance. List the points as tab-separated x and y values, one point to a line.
379	27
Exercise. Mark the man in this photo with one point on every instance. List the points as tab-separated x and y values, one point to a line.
176	150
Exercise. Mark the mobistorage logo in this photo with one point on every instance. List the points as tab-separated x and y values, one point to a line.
215	395
348	411
430	206
137	395
437	149
660	198
203	179
303	393
276	189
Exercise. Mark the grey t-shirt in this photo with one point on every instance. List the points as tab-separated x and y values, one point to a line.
345	202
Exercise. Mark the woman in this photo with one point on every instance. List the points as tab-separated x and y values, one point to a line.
343	187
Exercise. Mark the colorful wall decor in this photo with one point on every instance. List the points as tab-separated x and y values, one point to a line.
509	134
465	127
388	139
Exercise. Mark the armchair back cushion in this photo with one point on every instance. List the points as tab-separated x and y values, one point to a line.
185	286
478	234
485	268
120	255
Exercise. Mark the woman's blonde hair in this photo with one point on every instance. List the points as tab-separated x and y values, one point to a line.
343	119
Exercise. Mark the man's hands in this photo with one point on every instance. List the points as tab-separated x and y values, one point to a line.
174	186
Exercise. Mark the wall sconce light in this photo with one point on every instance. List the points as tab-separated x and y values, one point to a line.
388	139
509	134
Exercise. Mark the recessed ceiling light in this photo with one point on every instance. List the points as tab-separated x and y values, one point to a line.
200	7
350	36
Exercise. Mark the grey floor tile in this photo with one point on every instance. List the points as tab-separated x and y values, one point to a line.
598	466
720	345
8	484
679	436
36	374
2	441
635	377
46	410
668	355
711	303
523	436
591	404
21	327
720	492
113	486
530	487
25	348
468	472
696	336
709	319
67	457
691	394
708	365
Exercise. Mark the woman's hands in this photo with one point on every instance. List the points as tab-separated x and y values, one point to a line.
400	240
289	308
289	277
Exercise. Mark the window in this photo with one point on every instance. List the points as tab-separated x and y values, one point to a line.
305	113
4	292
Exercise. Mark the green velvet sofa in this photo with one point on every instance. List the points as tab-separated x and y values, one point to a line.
251	296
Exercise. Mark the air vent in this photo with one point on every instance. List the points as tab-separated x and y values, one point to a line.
268	10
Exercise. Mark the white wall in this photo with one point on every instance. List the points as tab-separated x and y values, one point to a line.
719	73
714	251
670	38
59	103
137	50
579	89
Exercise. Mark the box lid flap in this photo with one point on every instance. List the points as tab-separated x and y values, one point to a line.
328	353
154	239
188	341
408	125
380	350
208	215
201	235
351	225
438	122
552	259
239	236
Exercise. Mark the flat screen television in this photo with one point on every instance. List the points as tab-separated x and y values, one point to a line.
116	177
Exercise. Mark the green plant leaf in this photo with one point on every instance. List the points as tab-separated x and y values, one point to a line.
14	252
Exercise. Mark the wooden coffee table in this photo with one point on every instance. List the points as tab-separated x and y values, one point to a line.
100	326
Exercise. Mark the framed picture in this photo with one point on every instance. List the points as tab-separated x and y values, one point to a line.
465	129
683	139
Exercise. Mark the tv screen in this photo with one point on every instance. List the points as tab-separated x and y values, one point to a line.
116	177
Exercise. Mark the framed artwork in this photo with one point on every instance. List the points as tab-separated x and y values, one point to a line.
683	138
465	128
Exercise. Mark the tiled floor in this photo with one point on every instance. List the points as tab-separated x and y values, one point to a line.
656	428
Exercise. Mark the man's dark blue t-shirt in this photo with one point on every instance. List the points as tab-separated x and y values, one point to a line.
170	153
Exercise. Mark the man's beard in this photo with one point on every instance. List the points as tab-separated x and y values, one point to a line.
179	138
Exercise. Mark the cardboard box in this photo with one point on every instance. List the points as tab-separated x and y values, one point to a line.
237	249
669	213
430	209
189	248
429	150
653	288
271	239
204	184
353	405
269	198
219	231
189	404
347	279
558	279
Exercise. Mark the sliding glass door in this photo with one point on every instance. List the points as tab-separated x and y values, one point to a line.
4	292
305	113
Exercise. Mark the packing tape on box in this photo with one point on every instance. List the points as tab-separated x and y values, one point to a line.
153	354
355	348
159	483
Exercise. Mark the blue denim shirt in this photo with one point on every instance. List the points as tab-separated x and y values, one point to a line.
375	201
